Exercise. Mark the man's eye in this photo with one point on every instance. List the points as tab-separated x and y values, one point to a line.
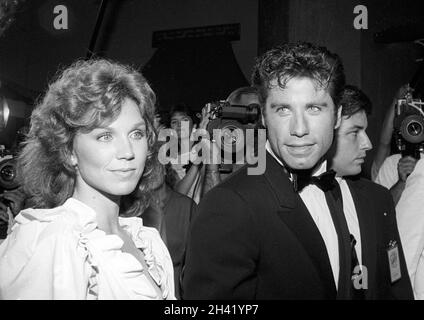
282	110
315	108
105	137
138	134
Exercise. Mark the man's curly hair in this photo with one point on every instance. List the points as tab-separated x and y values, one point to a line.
289	61
84	96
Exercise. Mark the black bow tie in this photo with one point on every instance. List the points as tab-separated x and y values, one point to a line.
324	181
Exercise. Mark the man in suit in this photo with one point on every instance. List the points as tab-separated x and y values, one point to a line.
368	207
264	236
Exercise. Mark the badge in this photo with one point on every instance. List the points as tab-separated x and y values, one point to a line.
394	261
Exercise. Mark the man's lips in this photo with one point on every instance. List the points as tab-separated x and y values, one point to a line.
299	149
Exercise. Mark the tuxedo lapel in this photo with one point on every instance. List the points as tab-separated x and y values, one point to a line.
297	218
366	219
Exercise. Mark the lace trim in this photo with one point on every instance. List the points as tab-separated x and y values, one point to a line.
155	269
92	287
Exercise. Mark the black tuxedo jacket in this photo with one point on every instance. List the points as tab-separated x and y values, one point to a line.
253	238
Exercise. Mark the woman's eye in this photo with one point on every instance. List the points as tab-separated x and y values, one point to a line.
105	137
138	134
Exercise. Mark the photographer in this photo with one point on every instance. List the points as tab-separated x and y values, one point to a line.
394	169
11	203
242	96
383	149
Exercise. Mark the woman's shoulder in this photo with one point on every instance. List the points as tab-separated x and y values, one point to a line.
34	225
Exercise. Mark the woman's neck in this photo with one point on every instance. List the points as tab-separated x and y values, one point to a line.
106	208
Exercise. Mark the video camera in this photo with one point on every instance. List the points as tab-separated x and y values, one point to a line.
8	179
409	126
232	122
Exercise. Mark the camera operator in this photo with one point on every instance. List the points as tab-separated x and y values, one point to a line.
242	96
11	203
394	169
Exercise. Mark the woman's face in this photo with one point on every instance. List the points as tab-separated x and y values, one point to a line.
111	159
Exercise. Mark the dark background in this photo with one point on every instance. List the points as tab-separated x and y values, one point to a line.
202	70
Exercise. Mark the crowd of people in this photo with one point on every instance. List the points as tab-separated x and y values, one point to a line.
98	215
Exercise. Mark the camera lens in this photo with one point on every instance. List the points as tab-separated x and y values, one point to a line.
8	174
414	128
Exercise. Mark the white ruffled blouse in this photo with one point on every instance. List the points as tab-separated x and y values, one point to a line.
61	254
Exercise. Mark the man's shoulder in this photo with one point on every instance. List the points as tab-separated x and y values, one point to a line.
369	186
176	196
242	180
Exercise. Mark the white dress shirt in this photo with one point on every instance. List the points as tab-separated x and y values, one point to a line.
314	199
410	218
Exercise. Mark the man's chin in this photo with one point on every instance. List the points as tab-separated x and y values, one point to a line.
301	165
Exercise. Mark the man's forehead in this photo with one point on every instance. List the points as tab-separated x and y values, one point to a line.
357	120
283	83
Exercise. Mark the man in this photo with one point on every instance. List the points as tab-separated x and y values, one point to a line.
255	237
368	207
242	96
392	171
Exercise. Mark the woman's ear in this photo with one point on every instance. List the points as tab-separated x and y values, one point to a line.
73	159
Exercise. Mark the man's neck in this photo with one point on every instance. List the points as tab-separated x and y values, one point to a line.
320	166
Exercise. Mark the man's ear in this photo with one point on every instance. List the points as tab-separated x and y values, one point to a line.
263	119
339	117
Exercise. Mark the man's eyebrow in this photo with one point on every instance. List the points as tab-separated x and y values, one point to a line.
321	104
276	105
357	126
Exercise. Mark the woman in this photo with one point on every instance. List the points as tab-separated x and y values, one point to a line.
88	151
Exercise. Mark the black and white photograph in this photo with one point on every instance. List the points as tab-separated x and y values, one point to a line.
216	154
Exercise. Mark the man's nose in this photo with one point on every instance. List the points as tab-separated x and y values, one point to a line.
299	126
366	144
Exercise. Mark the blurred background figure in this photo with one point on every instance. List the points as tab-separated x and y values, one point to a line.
171	213
392	170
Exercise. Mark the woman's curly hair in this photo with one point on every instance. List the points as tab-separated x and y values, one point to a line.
84	96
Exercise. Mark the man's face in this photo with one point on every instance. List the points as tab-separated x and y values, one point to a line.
300	120
351	145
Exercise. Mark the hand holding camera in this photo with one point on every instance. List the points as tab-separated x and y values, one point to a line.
405	167
12	199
